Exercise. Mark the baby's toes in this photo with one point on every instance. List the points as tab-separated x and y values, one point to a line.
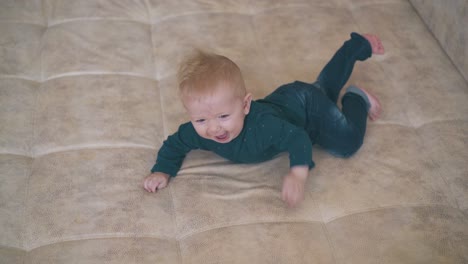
379	48
376	44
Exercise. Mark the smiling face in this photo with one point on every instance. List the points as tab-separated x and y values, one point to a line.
218	116
213	93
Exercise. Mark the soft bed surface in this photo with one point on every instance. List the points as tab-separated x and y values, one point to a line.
88	93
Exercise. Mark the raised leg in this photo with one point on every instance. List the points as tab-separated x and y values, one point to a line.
338	70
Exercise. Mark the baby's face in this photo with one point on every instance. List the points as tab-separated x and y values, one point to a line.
220	116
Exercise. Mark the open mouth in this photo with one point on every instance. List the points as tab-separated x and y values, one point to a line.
223	137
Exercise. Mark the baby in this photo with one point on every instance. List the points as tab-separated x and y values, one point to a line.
224	118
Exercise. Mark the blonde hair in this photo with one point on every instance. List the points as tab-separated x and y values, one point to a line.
201	73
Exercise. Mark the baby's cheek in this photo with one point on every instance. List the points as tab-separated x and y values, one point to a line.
237	128
200	131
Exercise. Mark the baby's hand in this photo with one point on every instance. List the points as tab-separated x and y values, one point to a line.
293	185
155	181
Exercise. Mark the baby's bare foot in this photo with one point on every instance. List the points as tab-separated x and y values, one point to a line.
375	107
376	44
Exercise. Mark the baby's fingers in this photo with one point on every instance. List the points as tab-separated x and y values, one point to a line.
154	184
287	196
147	185
162	184
150	185
292	195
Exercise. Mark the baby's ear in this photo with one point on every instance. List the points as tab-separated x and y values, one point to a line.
247	102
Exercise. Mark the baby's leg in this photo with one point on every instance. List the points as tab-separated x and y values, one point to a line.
373	104
338	70
342	132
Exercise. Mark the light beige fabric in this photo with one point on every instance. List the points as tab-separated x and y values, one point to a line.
88	94
448	24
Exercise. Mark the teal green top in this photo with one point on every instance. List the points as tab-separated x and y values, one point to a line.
266	133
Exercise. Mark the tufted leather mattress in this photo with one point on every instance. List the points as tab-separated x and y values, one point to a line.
88	93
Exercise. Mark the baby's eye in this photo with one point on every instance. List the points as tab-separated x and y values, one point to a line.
223	116
199	120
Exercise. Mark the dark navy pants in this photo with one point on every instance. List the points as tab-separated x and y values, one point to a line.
339	132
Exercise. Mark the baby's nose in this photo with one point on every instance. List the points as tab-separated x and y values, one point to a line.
214	127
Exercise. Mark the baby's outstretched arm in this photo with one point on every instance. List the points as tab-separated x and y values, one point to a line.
293	185
155	181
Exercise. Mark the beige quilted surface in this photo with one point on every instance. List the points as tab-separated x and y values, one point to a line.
88	94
